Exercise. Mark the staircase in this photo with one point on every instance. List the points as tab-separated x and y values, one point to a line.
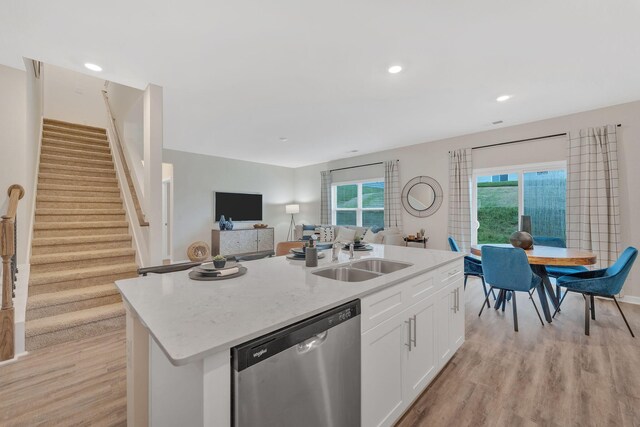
81	242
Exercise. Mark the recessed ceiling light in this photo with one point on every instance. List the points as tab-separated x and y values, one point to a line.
352	151
395	69
93	67
503	98
283	139
497	122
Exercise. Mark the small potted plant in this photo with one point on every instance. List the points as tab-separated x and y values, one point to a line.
219	261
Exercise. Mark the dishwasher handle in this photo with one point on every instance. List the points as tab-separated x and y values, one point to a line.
312	343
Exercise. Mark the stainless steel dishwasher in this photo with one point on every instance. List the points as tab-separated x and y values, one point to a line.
307	374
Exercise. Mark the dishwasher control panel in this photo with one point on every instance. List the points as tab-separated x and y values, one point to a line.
255	351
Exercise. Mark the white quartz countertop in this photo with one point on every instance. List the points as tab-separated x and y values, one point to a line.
193	319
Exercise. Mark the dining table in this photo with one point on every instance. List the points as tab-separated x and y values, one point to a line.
539	257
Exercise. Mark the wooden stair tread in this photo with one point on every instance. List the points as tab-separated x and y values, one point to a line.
71	295
82	255
75	153
52	241
72	319
80	273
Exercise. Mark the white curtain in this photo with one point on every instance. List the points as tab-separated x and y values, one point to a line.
460	171
325	197
392	194
593	210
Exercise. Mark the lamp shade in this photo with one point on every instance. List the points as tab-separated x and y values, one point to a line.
292	209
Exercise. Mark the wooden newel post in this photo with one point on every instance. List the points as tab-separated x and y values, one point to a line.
7	348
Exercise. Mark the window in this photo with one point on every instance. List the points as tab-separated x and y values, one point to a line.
358	203
501	196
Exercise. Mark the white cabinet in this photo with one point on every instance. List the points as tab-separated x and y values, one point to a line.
450	314
410	331
421	358
383	355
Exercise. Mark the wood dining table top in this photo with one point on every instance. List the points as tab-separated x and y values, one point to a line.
547	255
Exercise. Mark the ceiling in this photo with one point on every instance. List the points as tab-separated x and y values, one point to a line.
239	75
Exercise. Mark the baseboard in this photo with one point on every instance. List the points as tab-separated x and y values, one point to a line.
630	299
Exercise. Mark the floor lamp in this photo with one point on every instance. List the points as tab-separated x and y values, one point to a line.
291	209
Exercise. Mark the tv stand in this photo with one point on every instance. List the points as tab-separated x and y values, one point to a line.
242	241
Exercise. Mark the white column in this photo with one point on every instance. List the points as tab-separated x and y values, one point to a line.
153	170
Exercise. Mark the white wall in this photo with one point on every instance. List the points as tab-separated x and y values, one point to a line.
13	149
73	97
431	159
196	177
127	108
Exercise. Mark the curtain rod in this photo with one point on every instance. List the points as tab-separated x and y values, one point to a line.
524	140
358	166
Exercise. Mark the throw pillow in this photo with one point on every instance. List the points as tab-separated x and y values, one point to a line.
369	236
345	234
376	228
326	234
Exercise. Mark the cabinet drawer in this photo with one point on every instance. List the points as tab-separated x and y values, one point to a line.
452	272
419	288
381	306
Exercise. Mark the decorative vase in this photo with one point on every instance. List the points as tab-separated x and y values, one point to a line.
521	239
222	224
230	224
219	263
311	257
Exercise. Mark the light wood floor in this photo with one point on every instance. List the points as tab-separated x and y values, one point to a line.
79	383
547	376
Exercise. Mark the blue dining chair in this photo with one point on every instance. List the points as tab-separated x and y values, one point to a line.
472	267
554	270
606	283
508	269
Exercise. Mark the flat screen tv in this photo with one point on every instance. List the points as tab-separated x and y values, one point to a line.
238	206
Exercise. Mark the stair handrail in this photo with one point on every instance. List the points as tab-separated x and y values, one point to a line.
8	243
132	188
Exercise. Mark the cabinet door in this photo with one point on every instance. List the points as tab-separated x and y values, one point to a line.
238	242
444	308
422	360
383	354
265	239
457	316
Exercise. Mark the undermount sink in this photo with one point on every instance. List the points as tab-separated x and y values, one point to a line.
346	274
380	265
359	271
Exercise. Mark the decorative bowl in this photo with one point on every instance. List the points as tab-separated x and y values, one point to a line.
521	239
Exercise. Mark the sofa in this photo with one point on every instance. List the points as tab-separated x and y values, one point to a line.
332	233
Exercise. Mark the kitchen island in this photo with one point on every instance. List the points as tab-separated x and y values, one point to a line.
180	331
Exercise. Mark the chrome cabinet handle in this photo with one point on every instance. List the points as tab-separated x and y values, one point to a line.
454	300
457	306
415	333
408	322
